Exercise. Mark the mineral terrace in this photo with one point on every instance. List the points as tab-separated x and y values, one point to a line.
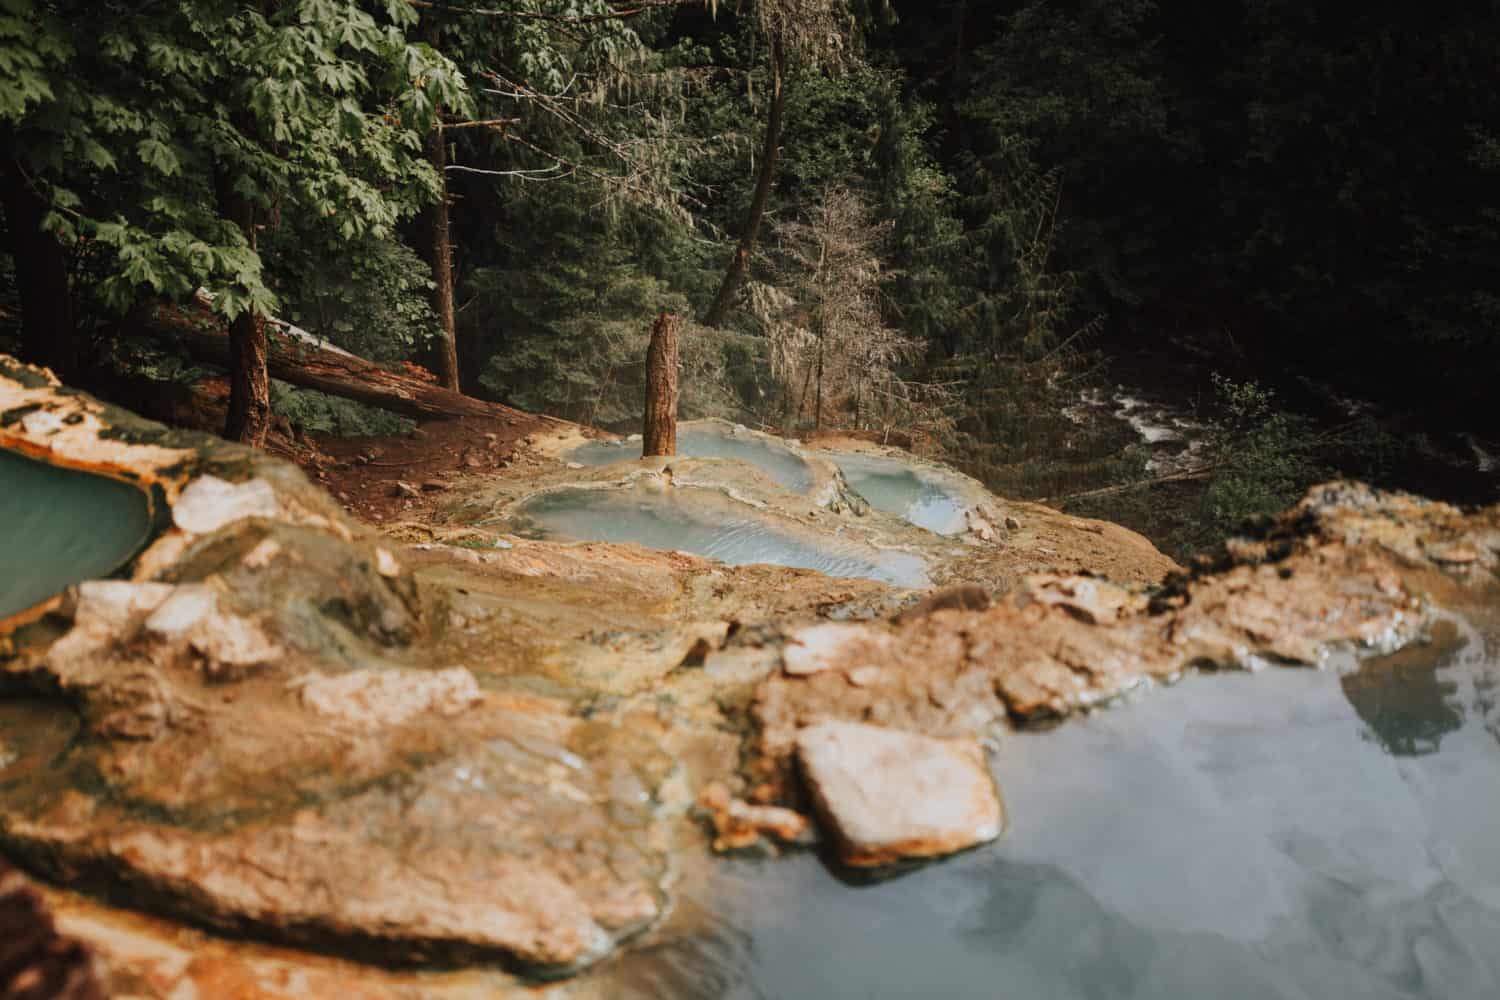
448	746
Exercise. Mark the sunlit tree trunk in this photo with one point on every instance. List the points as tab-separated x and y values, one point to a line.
659	433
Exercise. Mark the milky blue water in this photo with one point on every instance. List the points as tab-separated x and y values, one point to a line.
892	485
1291	834
697	521
778	461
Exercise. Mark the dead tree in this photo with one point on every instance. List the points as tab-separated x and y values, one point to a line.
801	34
659	433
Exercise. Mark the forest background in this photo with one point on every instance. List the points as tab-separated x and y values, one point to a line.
943	223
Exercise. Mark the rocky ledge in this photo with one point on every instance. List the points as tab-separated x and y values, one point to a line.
451	743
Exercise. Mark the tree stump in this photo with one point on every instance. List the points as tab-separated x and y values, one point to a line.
659	433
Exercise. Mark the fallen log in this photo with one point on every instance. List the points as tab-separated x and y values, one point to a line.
1187	475
298	357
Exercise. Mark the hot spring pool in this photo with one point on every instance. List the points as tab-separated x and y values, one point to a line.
1291	834
59	526
699	521
778	461
894	486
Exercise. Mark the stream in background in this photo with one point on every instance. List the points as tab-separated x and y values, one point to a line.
1167	399
1290	834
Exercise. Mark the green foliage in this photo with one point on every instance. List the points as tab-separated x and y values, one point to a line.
368	295
1266	456
310	410
590	364
152	360
1065	109
137	118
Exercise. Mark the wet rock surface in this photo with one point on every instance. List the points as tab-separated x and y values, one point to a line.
890	796
266	739
1348	567
682	495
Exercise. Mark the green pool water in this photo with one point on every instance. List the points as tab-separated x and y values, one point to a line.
1291	834
59	526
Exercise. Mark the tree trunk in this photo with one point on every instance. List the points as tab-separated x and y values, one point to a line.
295	356
249	416
47	319
740	262
818	409
436	249
659	434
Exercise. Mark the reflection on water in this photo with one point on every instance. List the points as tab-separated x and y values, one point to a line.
59	526
776	460
698	521
1401	698
893	486
1232	836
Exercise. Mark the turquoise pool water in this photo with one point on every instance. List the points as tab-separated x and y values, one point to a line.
59	526
778	461
698	521
891	485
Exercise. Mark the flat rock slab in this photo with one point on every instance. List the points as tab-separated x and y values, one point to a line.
890	795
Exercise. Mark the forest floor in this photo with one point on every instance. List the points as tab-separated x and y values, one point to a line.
382	478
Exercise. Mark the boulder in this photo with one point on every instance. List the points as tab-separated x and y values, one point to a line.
209	503
888	795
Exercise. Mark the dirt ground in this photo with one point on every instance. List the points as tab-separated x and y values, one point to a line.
380	478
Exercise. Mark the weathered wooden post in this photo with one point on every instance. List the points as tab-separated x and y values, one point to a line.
659	434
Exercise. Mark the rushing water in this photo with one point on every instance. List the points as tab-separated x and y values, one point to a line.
1292	834
778	461
59	526
891	485
698	521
